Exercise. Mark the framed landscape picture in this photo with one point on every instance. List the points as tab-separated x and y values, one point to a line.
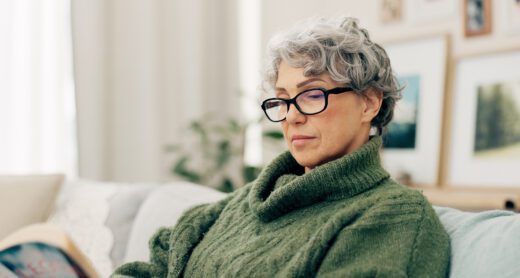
477	17
402	132
412	144
485	136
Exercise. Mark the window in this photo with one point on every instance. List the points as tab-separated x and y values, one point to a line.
37	107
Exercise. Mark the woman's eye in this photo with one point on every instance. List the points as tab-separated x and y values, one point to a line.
314	95
274	104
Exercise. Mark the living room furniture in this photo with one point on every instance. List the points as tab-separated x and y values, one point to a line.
112	222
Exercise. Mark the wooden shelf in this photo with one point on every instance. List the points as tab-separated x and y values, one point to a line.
473	199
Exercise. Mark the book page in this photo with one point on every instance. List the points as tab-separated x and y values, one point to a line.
53	237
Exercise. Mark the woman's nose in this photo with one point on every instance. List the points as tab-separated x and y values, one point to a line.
294	116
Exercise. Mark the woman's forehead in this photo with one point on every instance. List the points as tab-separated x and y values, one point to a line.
293	77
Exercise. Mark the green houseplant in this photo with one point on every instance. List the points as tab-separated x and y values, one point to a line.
213	153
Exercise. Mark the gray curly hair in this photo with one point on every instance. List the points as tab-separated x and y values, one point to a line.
342	49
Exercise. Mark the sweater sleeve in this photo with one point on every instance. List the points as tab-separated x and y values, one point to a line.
157	267
170	248
404	240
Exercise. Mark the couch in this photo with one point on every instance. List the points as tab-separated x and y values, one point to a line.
112	222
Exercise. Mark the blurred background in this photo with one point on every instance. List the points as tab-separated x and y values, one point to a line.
135	90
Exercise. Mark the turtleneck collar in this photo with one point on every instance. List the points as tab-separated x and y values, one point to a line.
338	179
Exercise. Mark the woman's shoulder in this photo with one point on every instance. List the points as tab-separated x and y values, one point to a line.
392	192
392	200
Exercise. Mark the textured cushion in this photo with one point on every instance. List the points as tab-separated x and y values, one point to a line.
98	217
26	200
81	210
485	244
163	207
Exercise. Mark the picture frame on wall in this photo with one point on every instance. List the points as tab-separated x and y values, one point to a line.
477	17
485	132
412	143
391	11
430	10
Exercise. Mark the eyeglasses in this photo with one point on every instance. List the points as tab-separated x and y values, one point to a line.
308	102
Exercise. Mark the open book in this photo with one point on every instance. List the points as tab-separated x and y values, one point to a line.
42	250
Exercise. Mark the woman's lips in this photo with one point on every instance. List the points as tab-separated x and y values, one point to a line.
301	140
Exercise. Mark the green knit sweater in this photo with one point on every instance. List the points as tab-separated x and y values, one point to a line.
345	218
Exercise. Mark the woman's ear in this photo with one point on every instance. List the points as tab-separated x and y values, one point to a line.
373	99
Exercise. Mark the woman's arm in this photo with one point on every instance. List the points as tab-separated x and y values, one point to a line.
158	265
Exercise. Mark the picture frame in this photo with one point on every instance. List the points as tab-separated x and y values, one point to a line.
477	17
424	62
483	152
391	11
431	10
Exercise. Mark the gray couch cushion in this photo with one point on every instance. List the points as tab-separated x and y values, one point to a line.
163	207
124	205
485	244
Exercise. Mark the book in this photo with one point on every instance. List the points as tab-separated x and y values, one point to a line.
42	251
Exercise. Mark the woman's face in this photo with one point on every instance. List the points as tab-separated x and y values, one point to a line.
342	128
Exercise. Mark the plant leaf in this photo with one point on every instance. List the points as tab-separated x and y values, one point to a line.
234	125
181	170
199	128
226	185
273	134
224	154
250	173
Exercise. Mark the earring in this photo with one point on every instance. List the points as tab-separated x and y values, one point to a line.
373	131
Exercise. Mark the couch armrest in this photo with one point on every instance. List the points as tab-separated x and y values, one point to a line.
26	200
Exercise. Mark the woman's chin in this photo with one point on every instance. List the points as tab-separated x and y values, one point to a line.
306	161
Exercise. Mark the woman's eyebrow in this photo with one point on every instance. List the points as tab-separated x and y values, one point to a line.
310	80
303	83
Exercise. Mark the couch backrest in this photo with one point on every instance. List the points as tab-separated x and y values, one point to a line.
483	244
162	208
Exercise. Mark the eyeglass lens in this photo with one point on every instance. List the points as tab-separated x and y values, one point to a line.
308	102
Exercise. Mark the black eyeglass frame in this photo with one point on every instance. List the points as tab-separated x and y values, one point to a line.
334	91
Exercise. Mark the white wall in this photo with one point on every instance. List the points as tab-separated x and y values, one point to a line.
277	15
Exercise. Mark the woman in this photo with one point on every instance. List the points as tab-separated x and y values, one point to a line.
326	207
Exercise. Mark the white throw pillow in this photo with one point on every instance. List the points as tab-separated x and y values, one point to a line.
81	211
163	208
98	217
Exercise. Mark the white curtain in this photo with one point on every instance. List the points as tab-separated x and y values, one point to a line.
37	110
143	71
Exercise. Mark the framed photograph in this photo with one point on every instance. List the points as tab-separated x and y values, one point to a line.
412	144
510	16
485	134
430	10
391	11
477	17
